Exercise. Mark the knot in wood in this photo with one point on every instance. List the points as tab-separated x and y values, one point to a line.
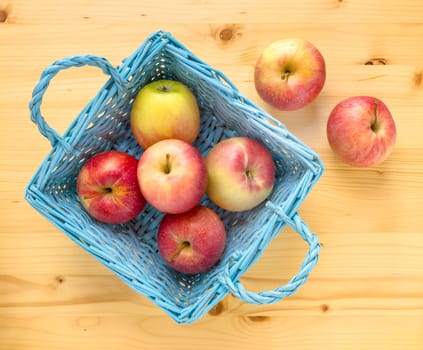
376	61
217	309
258	318
3	16
60	279
418	79
226	34
324	308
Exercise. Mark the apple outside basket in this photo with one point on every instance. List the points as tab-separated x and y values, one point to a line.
130	249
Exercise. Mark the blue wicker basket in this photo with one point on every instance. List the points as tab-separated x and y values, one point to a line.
130	249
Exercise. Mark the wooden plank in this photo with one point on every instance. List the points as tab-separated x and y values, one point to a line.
380	332
216	11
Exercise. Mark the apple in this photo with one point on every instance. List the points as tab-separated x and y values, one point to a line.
361	131
164	109
172	176
241	173
107	187
289	73
191	242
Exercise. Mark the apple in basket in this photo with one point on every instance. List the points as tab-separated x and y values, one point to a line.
361	131
191	242
172	176
108	189
165	109
290	73
241	173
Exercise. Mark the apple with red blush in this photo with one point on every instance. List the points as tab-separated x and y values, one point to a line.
361	131
107	187
193	241
290	73
241	173
172	175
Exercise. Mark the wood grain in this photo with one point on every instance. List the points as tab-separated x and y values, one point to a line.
367	289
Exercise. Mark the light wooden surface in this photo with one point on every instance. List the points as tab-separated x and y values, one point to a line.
367	289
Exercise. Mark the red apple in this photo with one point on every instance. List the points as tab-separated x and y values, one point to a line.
361	131
241	173
191	242
107	187
289	74
172	176
165	109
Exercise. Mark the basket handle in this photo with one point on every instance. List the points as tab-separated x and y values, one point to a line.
272	296
49	73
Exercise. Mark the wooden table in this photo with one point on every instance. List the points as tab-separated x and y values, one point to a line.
367	289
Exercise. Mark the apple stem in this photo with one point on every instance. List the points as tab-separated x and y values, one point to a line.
250	175
167	164
182	246
163	88
375	124
285	75
104	191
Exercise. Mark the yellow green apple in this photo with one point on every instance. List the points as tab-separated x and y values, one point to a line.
165	109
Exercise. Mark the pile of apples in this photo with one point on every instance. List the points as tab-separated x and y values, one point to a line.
172	175
290	73
237	174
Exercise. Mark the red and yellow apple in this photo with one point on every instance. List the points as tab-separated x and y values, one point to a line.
193	241
361	131
241	173
290	73
107	187
165	109
172	176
